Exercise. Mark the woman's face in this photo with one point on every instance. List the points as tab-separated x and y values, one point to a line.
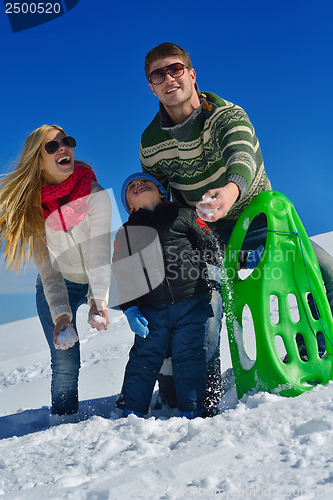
59	166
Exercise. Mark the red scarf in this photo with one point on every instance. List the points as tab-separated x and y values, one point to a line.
64	205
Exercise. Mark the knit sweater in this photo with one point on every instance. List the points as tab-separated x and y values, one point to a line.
214	146
81	254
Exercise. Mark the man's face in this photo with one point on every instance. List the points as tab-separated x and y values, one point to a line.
173	91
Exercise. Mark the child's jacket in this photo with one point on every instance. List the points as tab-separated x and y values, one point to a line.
159	257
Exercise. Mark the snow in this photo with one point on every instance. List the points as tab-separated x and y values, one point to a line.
246	223
66	338
98	322
264	446
206	212
245	361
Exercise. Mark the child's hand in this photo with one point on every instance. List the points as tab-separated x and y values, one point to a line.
137	322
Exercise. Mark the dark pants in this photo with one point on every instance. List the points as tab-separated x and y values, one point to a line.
182	326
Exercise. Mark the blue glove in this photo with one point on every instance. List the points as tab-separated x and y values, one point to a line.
137	321
254	257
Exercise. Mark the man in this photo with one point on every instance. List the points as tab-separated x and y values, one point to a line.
204	149
198	143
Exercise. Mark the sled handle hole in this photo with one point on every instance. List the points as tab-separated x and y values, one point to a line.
274	309
293	307
321	345
312	305
281	348
302	351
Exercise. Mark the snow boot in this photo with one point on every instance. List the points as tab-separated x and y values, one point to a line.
127	412
190	415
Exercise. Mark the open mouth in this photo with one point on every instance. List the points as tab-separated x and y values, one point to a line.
63	160
142	187
170	91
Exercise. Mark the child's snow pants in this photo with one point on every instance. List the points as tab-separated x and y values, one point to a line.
182	326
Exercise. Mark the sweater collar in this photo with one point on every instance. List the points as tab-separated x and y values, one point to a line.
182	131
167	123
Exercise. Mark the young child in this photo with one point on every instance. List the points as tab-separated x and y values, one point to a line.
159	266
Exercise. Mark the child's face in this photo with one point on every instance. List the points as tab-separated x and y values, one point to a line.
142	193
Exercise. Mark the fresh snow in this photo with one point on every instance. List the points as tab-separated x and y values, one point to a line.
66	338
204	212
264	446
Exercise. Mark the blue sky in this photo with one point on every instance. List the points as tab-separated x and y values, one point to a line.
84	72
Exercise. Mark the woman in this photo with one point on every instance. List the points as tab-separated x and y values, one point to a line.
53	210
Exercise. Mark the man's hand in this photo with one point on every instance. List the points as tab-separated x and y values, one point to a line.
216	203
98	316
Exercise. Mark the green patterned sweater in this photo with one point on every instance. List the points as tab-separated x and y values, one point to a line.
215	145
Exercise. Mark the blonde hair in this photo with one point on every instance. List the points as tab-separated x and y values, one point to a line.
21	219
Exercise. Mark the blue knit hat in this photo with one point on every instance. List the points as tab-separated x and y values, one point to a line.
140	175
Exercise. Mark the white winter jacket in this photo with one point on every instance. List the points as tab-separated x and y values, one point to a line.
82	254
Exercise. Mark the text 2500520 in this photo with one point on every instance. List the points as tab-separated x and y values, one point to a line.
33	8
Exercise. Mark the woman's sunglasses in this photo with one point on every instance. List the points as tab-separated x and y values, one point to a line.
53	146
175	70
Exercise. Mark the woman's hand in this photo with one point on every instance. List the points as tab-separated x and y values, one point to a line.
216	203
98	316
64	335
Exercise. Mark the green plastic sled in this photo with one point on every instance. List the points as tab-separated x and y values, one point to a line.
287	270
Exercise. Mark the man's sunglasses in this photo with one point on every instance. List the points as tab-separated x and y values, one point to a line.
175	70
53	146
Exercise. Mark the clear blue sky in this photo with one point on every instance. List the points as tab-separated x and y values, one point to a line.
84	72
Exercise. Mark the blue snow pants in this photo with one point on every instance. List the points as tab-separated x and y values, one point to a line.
182	326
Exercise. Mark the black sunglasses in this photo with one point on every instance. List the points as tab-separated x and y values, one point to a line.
53	146
175	70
